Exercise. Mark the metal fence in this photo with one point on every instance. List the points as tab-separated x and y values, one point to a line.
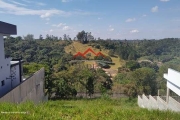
31	89
162	94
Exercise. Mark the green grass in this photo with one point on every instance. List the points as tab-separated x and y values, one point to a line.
84	109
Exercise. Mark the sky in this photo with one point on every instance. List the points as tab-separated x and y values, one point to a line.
115	19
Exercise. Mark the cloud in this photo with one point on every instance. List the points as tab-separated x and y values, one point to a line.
99	18
134	31
51	30
144	15
111	29
40	4
33	2
65	1
164	0
59	25
47	19
43	13
14	9
17	3
131	20
65	28
27	1
154	9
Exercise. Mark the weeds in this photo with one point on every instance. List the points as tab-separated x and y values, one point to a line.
83	109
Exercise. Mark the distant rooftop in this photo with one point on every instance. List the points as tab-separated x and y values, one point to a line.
7	29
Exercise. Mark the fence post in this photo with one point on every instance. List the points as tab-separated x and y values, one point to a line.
167	95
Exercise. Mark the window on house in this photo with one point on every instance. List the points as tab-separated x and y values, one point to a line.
2	83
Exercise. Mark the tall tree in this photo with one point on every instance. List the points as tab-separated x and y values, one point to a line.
60	38
144	80
89	36
65	37
82	36
29	37
40	37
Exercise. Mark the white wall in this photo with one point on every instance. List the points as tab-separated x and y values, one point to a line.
173	80
15	75
4	69
1	48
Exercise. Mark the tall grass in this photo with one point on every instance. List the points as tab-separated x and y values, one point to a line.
83	109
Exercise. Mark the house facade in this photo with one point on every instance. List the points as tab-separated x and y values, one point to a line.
10	69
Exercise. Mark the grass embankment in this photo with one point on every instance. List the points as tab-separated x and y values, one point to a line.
92	109
78	47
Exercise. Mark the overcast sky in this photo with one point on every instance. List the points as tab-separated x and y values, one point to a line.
115	19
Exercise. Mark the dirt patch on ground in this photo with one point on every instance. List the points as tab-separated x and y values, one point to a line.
111	72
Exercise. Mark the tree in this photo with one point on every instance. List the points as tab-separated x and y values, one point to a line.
63	89
18	38
132	56
104	80
150	65
29	37
65	37
74	38
48	37
144	80
60	38
82	37
130	90
40	37
132	65
111	53
89	37
87	79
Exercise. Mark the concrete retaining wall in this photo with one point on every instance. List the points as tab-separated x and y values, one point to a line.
140	101
145	101
153	103
158	103
31	89
162	105
173	105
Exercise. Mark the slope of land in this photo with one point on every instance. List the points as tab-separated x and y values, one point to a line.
84	109
78	47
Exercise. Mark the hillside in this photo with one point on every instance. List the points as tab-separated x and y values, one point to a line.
84	109
78	47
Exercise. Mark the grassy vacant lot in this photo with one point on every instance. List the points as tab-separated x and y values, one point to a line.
84	109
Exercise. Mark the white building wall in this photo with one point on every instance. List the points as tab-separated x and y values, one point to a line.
173	80
4	69
15	75
1	48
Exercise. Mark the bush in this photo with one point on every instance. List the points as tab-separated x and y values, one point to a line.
132	65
